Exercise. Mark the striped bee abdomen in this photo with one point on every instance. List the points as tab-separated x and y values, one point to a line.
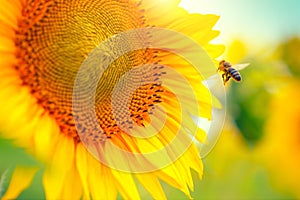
234	74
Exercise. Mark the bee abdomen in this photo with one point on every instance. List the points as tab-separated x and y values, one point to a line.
234	74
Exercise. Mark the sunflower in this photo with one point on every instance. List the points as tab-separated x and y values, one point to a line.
43	45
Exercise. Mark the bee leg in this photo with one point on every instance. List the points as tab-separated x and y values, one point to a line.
223	77
227	78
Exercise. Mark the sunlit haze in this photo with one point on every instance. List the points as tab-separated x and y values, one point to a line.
256	22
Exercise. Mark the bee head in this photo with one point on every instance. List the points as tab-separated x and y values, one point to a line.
221	62
224	64
227	64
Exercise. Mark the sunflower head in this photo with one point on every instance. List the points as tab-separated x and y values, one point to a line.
105	91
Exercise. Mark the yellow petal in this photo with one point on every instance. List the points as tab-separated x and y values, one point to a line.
193	156
152	185
101	182
125	185
82	168
7	45
10	12
45	137
200	135
21	179
62	162
53	183
72	188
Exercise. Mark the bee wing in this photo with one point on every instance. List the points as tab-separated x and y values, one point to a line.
240	66
212	80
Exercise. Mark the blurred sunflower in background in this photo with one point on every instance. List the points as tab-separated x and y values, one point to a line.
42	45
280	145
279	148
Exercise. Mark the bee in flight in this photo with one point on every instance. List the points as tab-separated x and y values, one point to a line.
231	71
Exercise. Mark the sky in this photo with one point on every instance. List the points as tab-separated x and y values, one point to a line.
259	22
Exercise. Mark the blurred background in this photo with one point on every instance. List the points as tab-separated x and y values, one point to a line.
258	153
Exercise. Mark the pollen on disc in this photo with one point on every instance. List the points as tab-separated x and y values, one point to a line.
55	37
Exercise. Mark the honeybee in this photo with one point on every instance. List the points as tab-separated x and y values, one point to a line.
231	71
